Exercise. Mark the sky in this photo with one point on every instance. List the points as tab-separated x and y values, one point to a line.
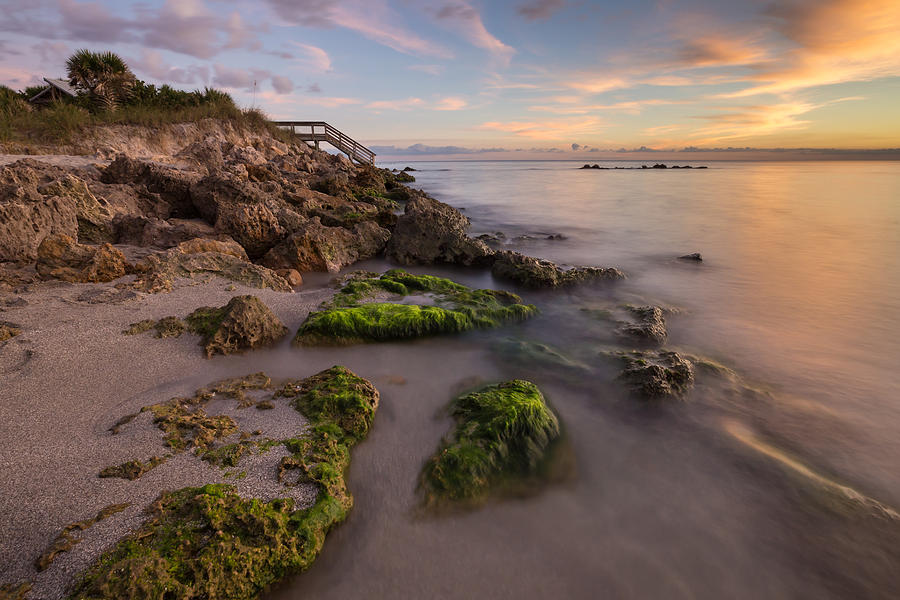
511	79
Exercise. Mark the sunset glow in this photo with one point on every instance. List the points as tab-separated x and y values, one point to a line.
517	79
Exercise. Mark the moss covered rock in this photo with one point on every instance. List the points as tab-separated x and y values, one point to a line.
242	324
348	319
503	432
209	542
132	469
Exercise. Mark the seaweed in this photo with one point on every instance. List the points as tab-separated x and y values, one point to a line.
347	320
67	537
504	431
209	542
132	469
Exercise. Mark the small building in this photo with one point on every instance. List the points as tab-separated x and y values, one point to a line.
57	89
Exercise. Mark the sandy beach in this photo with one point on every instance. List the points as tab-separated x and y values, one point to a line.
70	376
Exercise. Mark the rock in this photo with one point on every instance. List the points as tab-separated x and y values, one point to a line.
292	276
27	217
61	257
535	272
225	246
537	355
253	226
206	153
110	295
8	330
494	240
138	230
695	257
403	177
657	374
160	271
315	247
650	326
556	237
433	232
407	169
242	324
94	219
172	185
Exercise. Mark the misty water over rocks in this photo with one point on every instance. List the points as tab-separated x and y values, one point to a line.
775	476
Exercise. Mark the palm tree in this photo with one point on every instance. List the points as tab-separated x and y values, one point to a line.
102	75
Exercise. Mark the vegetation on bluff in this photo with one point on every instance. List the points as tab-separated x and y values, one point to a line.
503	432
348	320
209	542
109	94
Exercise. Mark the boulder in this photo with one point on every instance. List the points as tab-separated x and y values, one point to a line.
94	218
242	324
26	216
696	256
171	184
292	276
253	226
657	375
138	230
61	257
649	325
535	272
315	247
433	232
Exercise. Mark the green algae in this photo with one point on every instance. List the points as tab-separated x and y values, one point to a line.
15	591
165	328
347	320
187	425
244	323
68	537
539	355
132	469
504	431
208	542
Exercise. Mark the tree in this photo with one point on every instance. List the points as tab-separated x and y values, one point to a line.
103	76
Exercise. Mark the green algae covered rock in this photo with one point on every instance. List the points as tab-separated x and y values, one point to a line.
347	319
209	542
504	431
8	331
242	324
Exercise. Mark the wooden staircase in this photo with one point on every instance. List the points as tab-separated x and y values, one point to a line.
320	131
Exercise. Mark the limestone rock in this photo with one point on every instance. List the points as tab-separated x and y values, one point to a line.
649	325
242	324
27	217
657	374
171	184
535	272
315	247
61	257
94	219
138	230
433	232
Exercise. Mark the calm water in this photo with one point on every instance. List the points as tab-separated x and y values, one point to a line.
727	495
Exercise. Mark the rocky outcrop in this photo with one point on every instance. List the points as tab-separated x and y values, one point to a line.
242	324
657	375
433	232
61	257
159	272
315	247
170	185
538	273
649	326
138	230
26	216
94	218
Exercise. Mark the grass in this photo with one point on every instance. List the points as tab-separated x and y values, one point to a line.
348	320
64	122
503	431
208	542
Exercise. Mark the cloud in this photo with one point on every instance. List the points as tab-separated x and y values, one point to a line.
450	103
373	19
423	149
429	69
151	64
314	57
404	104
464	19
282	85
540	9
546	130
313	88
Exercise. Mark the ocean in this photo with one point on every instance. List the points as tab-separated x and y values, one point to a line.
776	477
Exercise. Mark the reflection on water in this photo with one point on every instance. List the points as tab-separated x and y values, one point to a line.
728	495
